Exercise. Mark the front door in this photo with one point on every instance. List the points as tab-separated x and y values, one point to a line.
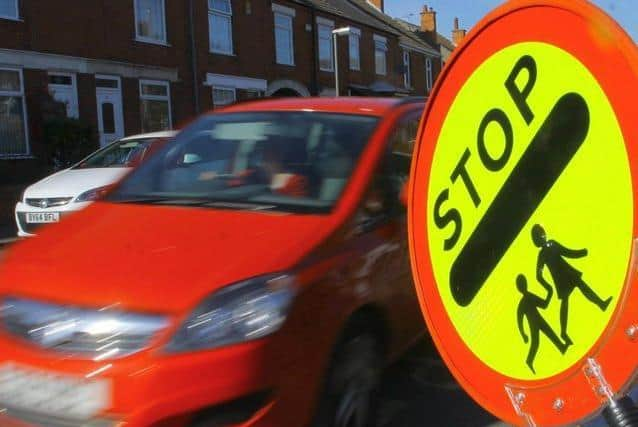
109	109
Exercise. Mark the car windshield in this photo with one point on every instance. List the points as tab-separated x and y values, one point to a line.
288	161
121	154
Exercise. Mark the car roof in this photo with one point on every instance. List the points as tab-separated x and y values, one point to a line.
162	134
345	105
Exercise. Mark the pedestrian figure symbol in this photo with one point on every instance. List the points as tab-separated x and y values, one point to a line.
528	309
566	278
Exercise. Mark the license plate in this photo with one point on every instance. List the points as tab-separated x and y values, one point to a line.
52	394
42	217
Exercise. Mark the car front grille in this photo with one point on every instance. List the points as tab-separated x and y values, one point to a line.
98	334
48	202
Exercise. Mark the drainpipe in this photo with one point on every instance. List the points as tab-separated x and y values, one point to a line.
315	58
193	55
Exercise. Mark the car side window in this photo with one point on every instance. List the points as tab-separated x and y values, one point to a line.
401	146
382	198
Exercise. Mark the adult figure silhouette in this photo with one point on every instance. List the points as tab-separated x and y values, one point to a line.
528	309
566	278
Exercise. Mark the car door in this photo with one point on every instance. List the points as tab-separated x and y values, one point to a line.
381	225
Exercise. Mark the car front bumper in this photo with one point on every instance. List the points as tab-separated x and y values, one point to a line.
153	387
22	209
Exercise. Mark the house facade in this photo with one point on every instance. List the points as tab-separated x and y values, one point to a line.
124	67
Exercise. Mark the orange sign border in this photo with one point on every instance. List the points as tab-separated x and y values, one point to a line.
590	35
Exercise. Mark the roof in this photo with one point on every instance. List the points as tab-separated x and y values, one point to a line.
406	37
344	105
347	10
445	42
440	39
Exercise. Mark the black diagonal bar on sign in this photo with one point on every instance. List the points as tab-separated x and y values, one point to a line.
542	163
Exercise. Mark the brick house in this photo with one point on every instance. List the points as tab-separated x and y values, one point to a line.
130	66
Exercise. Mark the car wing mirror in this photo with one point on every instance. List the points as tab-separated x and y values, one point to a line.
403	194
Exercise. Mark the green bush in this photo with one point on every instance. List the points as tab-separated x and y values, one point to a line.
68	141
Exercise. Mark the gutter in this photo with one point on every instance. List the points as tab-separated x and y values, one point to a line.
315	58
193	55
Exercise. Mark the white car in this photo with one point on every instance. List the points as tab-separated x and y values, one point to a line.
73	189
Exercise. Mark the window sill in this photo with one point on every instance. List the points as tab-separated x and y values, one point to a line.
218	52
152	41
16	157
11	18
355	69
326	71
286	65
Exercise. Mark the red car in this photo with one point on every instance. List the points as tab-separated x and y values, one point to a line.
253	272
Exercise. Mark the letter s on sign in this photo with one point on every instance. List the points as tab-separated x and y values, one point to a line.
443	220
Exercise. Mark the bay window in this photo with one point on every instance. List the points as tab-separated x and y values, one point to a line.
155	102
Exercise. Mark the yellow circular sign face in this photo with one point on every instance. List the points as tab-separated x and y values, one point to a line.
530	211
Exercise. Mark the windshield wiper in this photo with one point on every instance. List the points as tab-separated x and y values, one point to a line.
213	203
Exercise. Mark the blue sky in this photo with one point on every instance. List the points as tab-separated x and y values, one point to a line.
470	12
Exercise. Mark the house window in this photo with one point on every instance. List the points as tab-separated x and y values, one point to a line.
407	76
155	101
354	39
13	129
62	88
428	74
150	22
285	52
220	26
9	9
326	60
380	55
223	96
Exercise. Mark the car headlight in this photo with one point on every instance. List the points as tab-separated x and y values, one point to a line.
242	312
93	194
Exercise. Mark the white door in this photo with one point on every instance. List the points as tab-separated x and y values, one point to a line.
109	109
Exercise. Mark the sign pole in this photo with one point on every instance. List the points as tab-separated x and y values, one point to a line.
621	413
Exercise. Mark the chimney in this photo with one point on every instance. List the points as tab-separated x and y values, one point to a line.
428	20
377	3
457	34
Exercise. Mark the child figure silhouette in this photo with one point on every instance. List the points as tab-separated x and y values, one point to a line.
528	308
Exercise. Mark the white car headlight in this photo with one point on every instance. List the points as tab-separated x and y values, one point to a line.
93	194
242	312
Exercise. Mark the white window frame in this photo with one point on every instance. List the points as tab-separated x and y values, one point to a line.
223	14
330	26
407	74
166	98
428	73
288	14
151	40
74	87
25	116
383	42
355	35
17	15
223	88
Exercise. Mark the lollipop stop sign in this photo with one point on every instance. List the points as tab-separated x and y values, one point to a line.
522	213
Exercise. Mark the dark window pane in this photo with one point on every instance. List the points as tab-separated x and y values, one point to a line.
12	136
60	80
108	118
107	83
154	90
10	80
155	116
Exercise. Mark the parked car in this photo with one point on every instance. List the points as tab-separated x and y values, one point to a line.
253	272
73	189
